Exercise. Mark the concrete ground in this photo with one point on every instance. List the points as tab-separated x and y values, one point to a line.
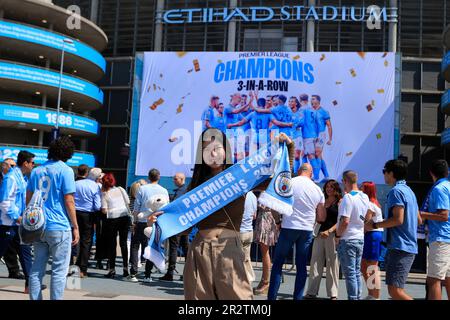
97	287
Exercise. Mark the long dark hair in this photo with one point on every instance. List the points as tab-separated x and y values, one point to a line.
202	172
337	189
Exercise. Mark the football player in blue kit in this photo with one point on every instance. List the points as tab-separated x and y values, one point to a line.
294	104
323	122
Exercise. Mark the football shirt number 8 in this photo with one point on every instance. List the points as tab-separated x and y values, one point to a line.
44	186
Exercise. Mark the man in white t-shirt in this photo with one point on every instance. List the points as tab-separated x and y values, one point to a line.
350	233
298	229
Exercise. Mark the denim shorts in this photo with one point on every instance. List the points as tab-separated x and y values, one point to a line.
372	245
398	265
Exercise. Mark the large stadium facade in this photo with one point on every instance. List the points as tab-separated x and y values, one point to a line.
121	28
137	25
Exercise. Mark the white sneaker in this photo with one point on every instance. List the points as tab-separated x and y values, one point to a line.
147	280
132	278
370	298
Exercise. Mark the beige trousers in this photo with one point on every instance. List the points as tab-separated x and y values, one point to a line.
324	250
247	239
215	270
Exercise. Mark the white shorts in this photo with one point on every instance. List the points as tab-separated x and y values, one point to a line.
321	140
439	260
298	143
309	145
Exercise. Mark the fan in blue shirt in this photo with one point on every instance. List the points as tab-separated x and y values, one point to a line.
438	209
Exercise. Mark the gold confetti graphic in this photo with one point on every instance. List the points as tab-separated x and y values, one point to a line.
348	154
386	63
380	90
173	139
181	54
183	97
149	87
335	103
219	61
157	103
160	75
296	57
353	73
196	65
373	102
362	55
338	82
322	57
159	88
180	108
154	87
384	55
378	136
369	107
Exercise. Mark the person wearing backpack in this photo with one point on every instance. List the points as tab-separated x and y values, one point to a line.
55	181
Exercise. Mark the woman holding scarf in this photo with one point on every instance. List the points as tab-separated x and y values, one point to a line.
215	262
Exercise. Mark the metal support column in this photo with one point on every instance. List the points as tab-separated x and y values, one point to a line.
392	46
232	29
310	32
159	26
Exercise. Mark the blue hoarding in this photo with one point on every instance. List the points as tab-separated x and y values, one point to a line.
47	117
41	155
52	40
445	136
445	62
49	78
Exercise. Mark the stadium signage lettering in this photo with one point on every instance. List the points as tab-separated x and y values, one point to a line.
291	13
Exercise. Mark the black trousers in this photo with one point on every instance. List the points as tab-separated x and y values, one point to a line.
139	239
174	243
11	261
113	226
100	236
86	226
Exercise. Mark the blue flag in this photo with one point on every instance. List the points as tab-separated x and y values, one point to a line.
278	195
197	204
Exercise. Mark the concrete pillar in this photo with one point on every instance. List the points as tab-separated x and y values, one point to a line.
83	144
159	26
392	45
41	138
310	32
232	29
94	11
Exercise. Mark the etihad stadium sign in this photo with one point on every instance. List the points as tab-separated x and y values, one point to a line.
285	13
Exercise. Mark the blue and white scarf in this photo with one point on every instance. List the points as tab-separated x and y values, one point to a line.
197	204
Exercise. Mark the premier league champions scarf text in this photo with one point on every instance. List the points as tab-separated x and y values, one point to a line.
212	195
